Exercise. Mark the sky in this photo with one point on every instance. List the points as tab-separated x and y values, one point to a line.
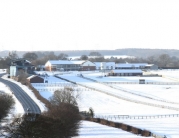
88	24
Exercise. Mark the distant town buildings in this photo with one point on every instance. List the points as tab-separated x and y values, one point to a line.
113	69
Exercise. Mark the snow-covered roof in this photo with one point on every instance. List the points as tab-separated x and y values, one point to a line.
66	61
107	63
97	63
31	76
131	64
126	71
149	65
34	76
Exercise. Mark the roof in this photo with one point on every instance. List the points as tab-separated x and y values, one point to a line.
127	71
33	76
107	63
66	61
149	65
131	64
21	59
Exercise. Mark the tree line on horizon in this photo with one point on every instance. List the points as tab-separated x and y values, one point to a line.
40	58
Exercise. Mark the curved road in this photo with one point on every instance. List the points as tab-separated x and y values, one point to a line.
27	103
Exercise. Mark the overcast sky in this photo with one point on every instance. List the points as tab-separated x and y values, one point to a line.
88	24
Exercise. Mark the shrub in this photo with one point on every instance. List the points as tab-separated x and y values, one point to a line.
6	103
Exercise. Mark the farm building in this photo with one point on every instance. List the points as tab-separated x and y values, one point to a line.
21	64
151	67
69	65
130	65
126	72
105	65
36	79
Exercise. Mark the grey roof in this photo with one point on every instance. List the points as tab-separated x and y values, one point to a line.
126	71
131	64
66	61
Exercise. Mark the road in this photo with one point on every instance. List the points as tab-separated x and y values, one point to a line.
28	104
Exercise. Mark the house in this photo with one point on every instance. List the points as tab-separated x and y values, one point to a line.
21	64
105	65
125	72
36	79
69	65
131	65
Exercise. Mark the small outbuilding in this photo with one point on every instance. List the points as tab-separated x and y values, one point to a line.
141	81
35	79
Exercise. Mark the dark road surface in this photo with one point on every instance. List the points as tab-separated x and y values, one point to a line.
27	103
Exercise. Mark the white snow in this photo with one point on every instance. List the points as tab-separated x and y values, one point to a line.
107	106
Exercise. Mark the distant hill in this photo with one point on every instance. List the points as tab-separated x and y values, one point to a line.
128	51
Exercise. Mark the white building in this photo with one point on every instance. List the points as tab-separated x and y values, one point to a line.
69	65
126	72
105	65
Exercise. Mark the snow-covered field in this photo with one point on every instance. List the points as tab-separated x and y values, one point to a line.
173	73
100	77
105	105
111	104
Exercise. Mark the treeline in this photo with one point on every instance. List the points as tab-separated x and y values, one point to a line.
40	58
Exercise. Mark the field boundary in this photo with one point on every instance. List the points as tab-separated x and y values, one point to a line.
124	127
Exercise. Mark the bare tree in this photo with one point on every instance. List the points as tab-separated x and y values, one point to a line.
62	56
13	55
30	56
22	76
164	59
84	57
66	95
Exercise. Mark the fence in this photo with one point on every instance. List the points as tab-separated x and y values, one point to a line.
152	83
121	82
128	99
163	83
122	126
114	117
57	88
54	85
131	92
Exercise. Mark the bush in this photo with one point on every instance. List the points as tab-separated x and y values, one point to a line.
6	103
58	122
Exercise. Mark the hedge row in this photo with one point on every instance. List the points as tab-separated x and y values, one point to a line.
38	96
122	126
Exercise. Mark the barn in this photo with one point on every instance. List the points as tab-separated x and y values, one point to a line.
35	79
69	65
130	65
126	72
